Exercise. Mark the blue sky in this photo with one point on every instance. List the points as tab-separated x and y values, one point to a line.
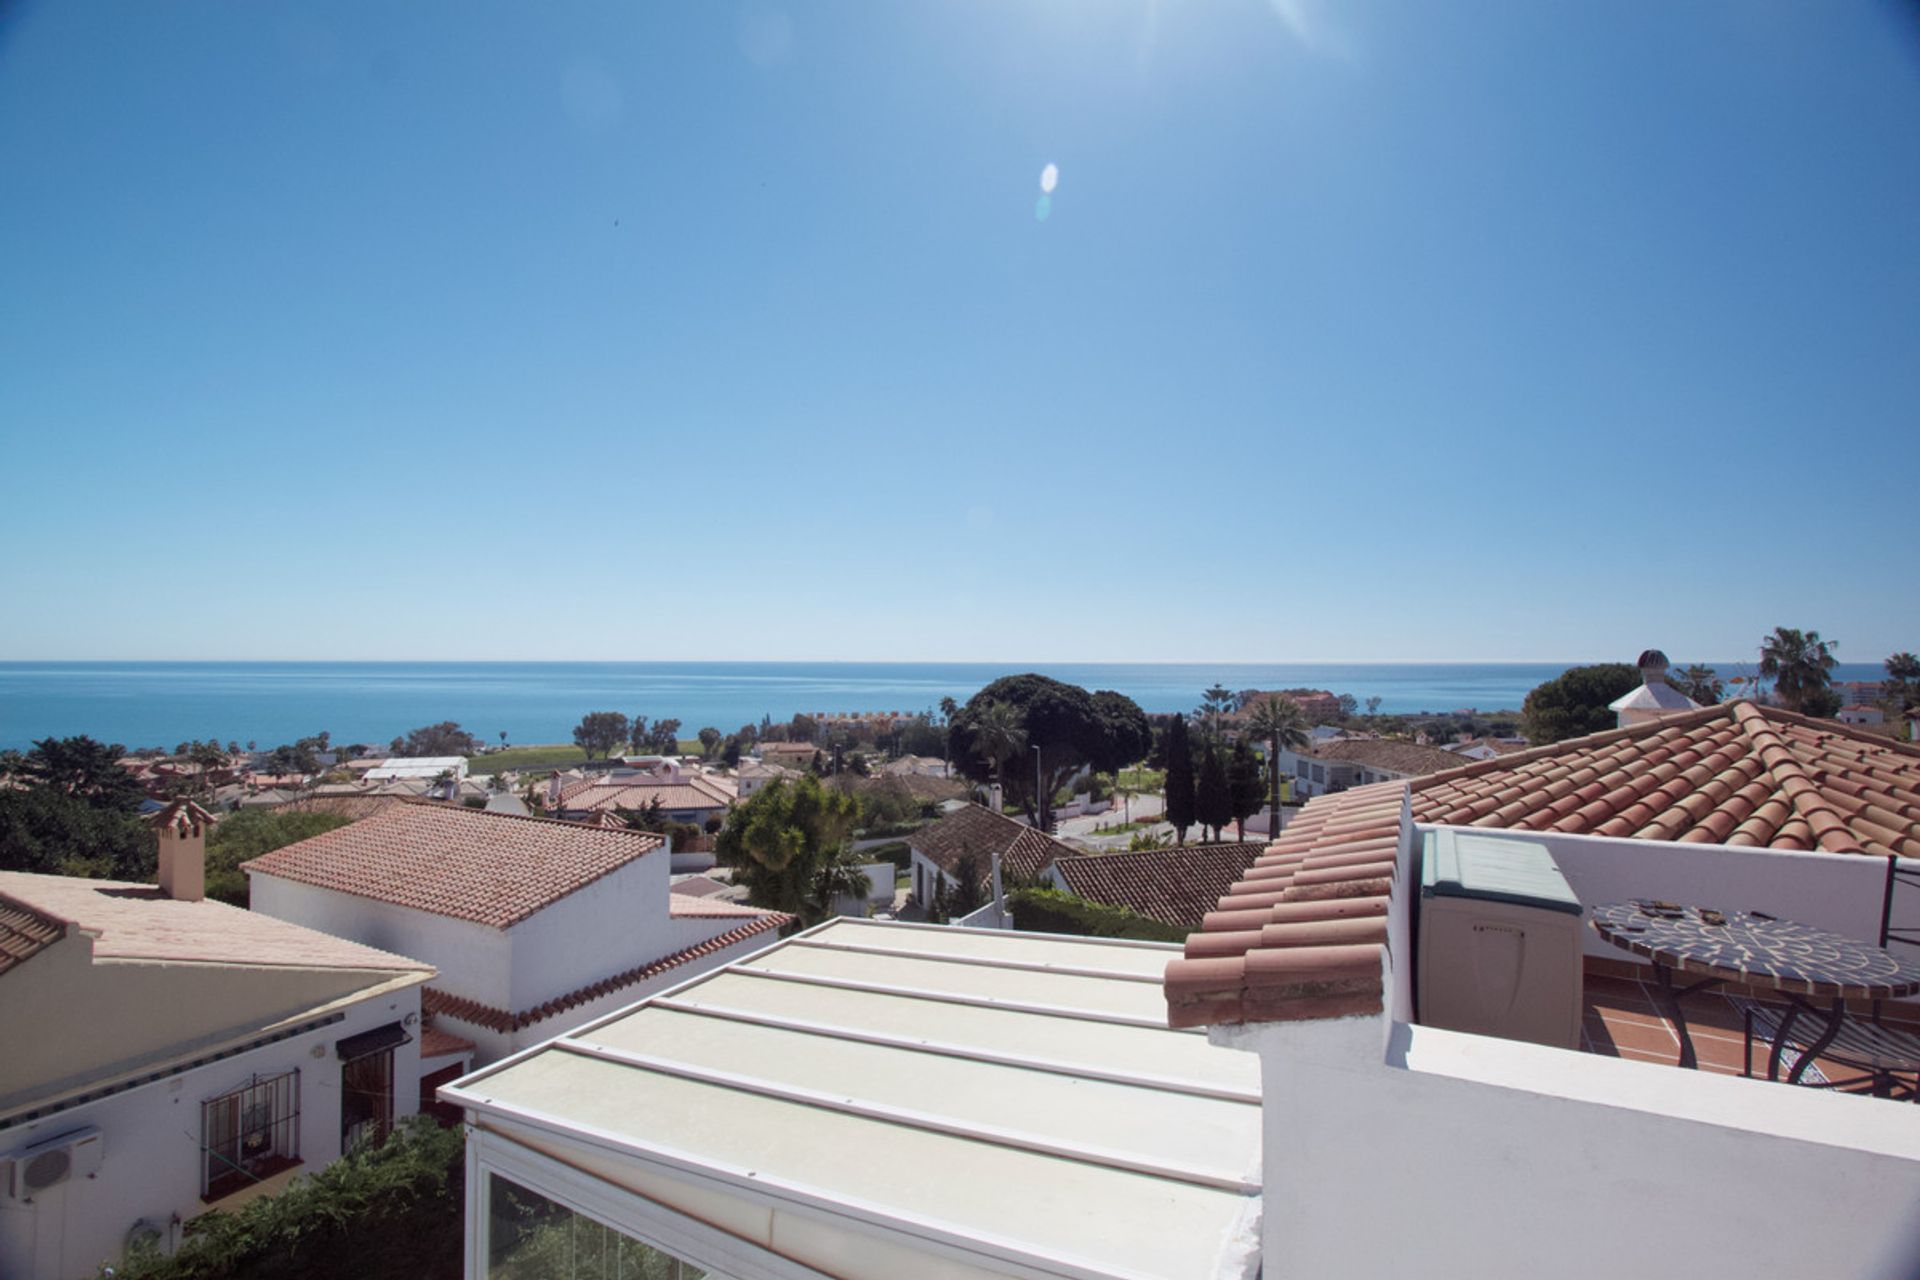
732	330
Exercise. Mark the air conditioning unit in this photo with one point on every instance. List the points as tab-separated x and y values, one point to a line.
75	1154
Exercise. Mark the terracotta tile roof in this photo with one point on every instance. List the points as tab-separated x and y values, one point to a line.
698	886
435	1043
1301	935
494	869
1174	886
353	807
25	932
496	1019
1736	774
138	922
1024	851
1394	757
692	792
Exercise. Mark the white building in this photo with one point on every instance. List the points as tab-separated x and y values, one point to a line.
976	834
165	1055
425	768
752	775
535	925
1860	713
1327	767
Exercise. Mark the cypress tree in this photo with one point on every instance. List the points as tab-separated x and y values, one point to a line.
1212	797
1180	797
1245	785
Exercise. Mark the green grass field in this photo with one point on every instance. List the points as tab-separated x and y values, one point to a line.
522	759
1140	780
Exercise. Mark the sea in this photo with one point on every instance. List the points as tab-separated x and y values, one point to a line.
159	704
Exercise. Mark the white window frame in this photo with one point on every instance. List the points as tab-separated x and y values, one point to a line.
626	1212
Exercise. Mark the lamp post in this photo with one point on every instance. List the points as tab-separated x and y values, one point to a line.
1039	797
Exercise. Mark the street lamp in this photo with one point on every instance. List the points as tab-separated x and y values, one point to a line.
1039	796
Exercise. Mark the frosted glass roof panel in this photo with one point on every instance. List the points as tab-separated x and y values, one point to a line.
1039	1036
1194	1132
1128	1223
1039	1137
977	982
1026	948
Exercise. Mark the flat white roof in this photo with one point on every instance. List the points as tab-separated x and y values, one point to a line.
418	767
1013	1096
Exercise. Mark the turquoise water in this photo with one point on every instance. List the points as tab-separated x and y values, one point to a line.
161	703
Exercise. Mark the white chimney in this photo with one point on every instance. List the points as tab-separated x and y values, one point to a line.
182	831
1654	698
995	800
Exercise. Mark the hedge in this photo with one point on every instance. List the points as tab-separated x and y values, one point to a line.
392	1212
1052	911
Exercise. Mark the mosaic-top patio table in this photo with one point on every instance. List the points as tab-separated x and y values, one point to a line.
1759	950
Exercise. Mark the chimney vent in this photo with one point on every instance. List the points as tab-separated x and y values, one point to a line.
182	830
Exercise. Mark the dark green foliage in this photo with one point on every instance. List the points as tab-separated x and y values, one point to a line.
966	896
1574	703
1051	911
249	834
1901	689
88	771
443	739
1072	728
1246	789
1126	735
599	732
48	831
1800	664
393	1212
781	841
1212	797
1180	798
1702	684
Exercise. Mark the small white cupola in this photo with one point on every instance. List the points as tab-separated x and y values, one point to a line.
1655	697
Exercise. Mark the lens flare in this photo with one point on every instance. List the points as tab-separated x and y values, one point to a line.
1049	179
1042	208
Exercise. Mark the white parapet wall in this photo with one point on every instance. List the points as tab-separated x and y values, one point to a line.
1393	1150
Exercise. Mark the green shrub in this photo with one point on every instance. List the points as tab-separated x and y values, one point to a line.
392	1212
252	832
1051	911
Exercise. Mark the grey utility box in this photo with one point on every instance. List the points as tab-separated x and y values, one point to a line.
1499	940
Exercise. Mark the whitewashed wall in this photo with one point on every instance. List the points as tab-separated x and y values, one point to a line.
1397	1151
474	961
151	1139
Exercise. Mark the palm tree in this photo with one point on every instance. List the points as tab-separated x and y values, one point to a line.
1280	723
1799	664
1000	735
840	874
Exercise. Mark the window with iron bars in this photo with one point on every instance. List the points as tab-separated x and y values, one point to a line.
250	1134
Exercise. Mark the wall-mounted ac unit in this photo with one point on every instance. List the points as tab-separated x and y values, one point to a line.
44	1165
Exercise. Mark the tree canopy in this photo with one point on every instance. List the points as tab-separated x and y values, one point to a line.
443	739
599	732
1702	684
1212	794
250	833
1800	664
84	769
1246	789
1072	728
1574	703
1180	798
782	838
